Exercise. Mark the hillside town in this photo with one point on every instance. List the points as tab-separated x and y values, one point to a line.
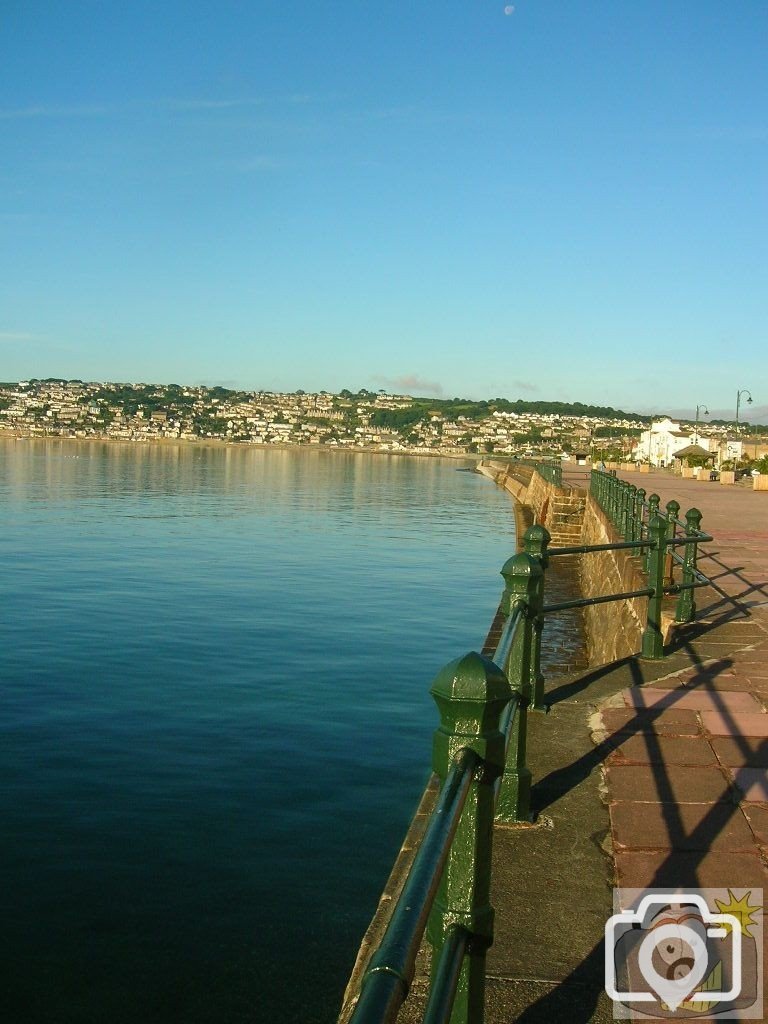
365	420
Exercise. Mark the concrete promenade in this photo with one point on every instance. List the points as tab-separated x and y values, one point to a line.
645	773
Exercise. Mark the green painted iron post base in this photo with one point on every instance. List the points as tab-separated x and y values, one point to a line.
653	637
653	510
522	574
686	602
470	694
535	542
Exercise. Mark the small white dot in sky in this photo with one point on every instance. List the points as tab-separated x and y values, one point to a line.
509	9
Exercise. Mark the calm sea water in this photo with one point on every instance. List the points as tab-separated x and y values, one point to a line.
215	719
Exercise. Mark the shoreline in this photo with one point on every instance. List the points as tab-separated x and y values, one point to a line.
216	442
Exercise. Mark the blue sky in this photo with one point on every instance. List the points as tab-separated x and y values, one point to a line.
568	201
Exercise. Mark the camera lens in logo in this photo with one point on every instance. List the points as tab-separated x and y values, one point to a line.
681	955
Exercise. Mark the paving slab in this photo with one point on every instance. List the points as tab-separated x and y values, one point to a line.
722	683
718	723
698	700
672	722
676	784
757	817
752	783
661	750
644	869
744	751
699	826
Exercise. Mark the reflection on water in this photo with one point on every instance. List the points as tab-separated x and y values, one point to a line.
215	714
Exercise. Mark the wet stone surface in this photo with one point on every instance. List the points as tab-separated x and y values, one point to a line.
563	647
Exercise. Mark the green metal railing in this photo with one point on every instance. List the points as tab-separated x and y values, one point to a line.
479	755
632	516
552	473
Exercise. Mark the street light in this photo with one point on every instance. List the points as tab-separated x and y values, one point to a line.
696	431
744	391
738	403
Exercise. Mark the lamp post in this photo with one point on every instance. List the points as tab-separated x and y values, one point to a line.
744	391
738	404
696	431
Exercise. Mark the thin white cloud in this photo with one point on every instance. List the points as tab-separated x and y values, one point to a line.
211	104
172	104
747	414
207	103
54	111
412	382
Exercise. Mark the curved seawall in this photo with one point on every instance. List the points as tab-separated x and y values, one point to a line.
564	652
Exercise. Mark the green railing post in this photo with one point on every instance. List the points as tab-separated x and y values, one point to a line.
639	511
653	638
624	509
631	512
613	503
522	576
535	543
609	497
653	510
686	601
673	511
470	694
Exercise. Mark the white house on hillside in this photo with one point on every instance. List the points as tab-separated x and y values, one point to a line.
659	444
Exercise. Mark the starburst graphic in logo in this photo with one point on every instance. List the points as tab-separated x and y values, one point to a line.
741	909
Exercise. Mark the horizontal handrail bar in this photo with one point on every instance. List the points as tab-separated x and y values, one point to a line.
586	549
446	980
679	560
387	979
508	714
699	538
684	525
501	654
604	599
675	588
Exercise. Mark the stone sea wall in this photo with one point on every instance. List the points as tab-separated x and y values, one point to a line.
613	630
560	509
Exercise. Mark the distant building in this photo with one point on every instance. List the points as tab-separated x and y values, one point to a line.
664	440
